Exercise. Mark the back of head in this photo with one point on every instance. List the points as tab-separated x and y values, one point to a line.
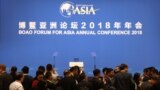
104	70
49	67
136	76
109	70
41	68
25	69
13	69
66	73
75	70
124	67
96	72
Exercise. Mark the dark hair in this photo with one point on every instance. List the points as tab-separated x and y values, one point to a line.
104	70
75	68
66	72
19	75
13	69
39	73
49	67
136	78
47	75
41	68
123	66
145	70
96	72
109	70
25	69
82	76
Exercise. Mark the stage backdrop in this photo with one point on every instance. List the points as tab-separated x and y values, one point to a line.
111	32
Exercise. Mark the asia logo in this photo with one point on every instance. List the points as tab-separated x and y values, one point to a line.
67	9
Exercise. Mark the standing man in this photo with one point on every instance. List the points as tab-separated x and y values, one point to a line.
123	80
5	78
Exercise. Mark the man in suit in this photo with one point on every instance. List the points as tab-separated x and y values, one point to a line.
5	78
68	82
97	80
123	80
27	82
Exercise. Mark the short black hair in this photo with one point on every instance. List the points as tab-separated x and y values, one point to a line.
39	73
25	69
75	68
109	70
47	75
105	69
123	66
96	72
14	69
49	67
41	68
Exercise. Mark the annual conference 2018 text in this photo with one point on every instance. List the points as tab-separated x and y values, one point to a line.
80	32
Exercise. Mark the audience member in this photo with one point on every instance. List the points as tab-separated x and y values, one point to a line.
123	80
75	79
97	80
49	68
27	82
39	77
17	84
48	79
5	78
13	72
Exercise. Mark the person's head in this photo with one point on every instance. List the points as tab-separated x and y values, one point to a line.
82	77
146	72
25	70
117	69
19	77
49	67
104	70
110	72
75	70
137	78
153	71
13	69
67	73
41	68
48	76
97	72
39	75
124	67
2	68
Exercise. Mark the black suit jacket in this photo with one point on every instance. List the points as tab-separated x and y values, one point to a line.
27	82
123	81
68	83
97	83
5	80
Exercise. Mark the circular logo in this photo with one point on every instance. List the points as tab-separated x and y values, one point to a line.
66	9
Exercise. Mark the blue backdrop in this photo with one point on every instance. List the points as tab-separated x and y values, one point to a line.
138	51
